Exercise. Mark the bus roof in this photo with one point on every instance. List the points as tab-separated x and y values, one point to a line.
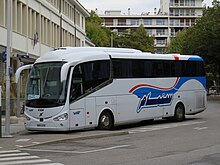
83	54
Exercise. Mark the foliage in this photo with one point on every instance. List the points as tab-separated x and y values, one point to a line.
202	39
137	39
178	43
97	33
101	36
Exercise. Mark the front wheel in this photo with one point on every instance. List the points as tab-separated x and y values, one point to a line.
179	112
106	121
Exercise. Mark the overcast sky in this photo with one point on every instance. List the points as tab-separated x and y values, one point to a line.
136	6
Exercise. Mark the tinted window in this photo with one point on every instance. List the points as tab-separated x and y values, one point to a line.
95	73
87	76
134	68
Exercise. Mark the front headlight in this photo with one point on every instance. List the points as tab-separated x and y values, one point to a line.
27	118
61	117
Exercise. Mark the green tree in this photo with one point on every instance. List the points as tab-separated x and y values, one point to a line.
177	44
137	39
202	39
97	33
208	34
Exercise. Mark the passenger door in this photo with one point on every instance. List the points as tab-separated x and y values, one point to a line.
77	104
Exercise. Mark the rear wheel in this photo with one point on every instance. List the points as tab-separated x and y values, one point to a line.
179	112
106	121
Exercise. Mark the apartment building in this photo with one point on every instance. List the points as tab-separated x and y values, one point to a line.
163	24
38	26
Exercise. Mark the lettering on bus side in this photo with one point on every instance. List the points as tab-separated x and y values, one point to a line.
148	101
154	96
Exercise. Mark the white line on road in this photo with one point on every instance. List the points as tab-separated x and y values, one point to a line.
18	158
78	152
36	142
17	154
18	146
52	164
163	126
200	128
9	151
25	161
23	140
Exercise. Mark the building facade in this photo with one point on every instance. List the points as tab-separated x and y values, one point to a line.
163	24
38	26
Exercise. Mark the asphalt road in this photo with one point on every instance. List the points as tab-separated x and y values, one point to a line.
195	141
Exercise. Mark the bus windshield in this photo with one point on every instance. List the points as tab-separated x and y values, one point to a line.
44	88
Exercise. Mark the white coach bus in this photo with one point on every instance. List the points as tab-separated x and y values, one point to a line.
74	88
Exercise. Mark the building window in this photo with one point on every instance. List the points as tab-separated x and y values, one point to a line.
108	22
171	12
181	12
134	21
187	22
160	21
77	18
187	12
181	2
160	32
150	32
161	42
121	22
147	21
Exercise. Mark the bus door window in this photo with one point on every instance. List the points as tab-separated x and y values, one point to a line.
76	89
95	73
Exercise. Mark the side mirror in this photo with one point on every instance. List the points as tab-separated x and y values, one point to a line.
19	70
64	71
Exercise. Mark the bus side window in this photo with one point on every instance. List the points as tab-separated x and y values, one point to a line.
95	73
76	89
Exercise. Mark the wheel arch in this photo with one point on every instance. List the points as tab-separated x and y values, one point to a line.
180	102
106	109
178	116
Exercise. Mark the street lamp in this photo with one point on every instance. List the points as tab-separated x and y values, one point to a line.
7	111
112	35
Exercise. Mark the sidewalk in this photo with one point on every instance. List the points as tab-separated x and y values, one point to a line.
16	125
213	97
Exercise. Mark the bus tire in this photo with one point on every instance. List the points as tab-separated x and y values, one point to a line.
179	114
106	121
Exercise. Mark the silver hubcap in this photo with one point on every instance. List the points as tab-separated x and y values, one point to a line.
179	113
105	120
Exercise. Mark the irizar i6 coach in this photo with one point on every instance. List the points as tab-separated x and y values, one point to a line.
73	88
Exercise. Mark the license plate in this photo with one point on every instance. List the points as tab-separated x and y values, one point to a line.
41	125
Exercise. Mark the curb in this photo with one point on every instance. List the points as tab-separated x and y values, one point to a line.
213	98
81	137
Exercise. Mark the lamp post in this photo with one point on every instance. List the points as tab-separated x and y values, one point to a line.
7	111
112	37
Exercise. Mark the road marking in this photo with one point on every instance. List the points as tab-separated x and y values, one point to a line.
19	158
78	152
17	154
18	146
163	126
9	151
23	140
52	164
36	142
25	161
105	149
200	128
15	157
